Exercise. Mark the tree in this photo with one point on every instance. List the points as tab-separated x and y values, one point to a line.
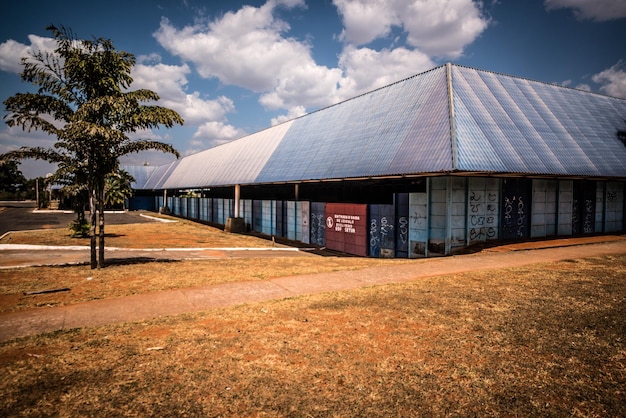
11	179
118	188
83	88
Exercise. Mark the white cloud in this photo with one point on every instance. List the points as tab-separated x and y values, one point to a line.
170	82
212	134
365	21
612	80
12	138
243	48
218	132
439	28
12	52
291	114
367	69
247	48
598	10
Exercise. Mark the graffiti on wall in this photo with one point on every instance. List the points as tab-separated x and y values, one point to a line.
483	212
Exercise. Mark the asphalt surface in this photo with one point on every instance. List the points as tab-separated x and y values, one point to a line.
22	216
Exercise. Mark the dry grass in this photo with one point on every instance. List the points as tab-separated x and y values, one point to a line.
179	234
128	279
546	340
542	340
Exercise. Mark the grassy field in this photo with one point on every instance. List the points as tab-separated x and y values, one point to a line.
542	340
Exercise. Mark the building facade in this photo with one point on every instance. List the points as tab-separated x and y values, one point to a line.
427	166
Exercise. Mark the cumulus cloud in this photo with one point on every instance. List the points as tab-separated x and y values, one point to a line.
12	52
248	48
598	10
244	48
291	114
170	82
439	28
368	69
612	80
217	132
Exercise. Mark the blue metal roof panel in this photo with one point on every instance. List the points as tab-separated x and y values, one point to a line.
508	124
236	162
370	135
141	174
159	176
501	124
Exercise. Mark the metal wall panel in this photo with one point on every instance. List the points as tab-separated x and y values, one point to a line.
257	216
600	193
318	223
281	218
482	209
566	203
245	211
418	224
544	208
584	207
304	222
614	219
402	225
268	217
381	230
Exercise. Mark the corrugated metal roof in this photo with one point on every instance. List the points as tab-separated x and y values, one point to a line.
369	135
500	124
237	162
141	173
160	175
514	125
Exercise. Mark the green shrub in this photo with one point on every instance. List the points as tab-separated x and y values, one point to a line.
79	228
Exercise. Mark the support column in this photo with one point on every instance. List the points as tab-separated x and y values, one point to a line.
236	224
237	199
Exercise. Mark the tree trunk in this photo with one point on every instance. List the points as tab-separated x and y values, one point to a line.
92	227
101	227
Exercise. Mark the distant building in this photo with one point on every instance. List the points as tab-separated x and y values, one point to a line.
425	166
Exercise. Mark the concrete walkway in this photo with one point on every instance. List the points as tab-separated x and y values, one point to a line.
173	302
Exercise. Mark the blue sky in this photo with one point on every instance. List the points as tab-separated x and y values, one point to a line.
231	68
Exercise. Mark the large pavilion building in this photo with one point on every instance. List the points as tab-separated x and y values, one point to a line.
426	166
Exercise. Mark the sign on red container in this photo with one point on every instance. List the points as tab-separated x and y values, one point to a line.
346	228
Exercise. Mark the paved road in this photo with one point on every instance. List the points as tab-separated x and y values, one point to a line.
22	216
